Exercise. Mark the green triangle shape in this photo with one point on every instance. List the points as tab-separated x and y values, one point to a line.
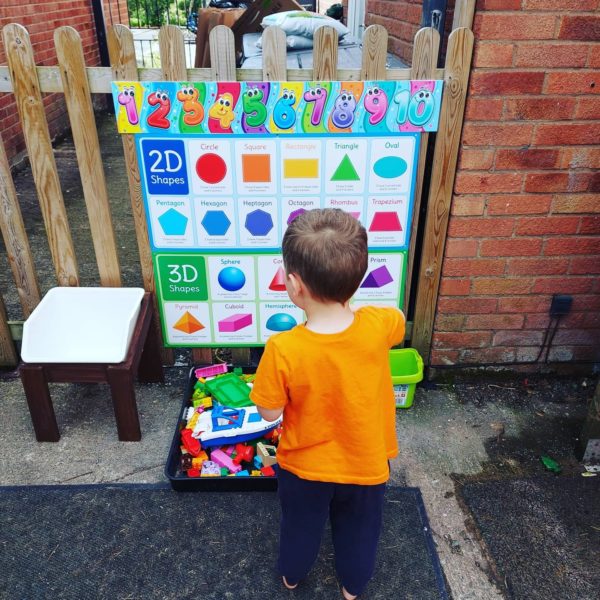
345	171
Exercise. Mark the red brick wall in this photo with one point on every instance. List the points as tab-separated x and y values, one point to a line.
525	217
41	18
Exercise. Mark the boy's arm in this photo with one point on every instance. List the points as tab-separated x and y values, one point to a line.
269	390
270	414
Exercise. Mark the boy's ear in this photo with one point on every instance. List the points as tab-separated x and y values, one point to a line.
296	283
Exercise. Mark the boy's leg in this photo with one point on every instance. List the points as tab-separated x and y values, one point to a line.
356	512
304	511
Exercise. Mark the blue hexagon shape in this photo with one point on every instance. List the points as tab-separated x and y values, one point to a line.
173	222
259	222
216	222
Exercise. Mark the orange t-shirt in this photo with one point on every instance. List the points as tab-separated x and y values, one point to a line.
339	412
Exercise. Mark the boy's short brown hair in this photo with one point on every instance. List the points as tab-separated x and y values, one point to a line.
327	248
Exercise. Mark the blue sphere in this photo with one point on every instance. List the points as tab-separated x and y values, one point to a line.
231	279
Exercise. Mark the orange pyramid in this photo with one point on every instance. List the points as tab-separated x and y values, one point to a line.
188	323
278	282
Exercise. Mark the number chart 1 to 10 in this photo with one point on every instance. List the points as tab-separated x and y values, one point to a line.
226	167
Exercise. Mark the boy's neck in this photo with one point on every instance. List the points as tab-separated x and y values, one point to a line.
330	317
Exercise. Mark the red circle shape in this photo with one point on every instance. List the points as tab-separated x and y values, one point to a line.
211	168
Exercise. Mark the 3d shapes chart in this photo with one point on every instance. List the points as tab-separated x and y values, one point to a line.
221	185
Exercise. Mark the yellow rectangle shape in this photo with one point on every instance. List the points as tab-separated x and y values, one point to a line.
301	168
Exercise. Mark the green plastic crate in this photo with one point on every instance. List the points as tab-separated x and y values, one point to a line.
406	365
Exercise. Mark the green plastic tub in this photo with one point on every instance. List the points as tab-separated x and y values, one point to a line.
406	365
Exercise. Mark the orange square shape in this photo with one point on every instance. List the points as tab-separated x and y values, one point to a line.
256	168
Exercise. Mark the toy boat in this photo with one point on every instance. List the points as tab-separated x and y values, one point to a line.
225	425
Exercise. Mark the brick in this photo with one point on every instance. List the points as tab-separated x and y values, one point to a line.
467	205
576	203
528	109
518	204
557	182
460	247
493	55
464	267
443	357
511	247
589	226
501	285
468	306
518	338
484	109
508	134
588	108
574	354
579	158
474	159
570	82
535	158
586	303
498	83
524	304
563	285
454	287
589	265
537	266
482	182
449	322
505	321
497	355
572	245
547	225
499	5
561	5
471	339
574	27
540	321
551	55
594	57
484	227
586	337
495	26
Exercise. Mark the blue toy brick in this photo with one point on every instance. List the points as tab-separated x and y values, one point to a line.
259	222
173	222
216	222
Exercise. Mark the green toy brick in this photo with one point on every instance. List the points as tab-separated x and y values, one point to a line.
229	390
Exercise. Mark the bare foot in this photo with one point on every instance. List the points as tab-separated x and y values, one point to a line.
347	594
287	585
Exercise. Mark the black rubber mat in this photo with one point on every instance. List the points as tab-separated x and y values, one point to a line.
543	534
149	542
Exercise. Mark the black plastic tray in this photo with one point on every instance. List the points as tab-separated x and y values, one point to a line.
182	483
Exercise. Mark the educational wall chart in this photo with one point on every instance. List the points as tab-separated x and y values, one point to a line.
226	167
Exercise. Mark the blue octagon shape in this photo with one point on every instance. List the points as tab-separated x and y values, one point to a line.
216	222
173	222
259	222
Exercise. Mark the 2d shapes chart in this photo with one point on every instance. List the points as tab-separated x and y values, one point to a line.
210	166
384	279
385	221
295	206
181	277
232	277
214	220
235	322
165	167
392	165
173	222
186	323
388	221
276	317
300	161
271	277
353	205
258	223
256	167
346	166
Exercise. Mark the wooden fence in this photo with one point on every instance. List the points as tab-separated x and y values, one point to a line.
77	82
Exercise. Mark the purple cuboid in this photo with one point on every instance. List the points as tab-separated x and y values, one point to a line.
235	322
377	278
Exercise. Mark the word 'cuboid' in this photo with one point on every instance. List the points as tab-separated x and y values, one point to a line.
226	167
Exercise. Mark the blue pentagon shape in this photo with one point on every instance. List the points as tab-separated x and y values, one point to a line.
216	222
173	222
259	222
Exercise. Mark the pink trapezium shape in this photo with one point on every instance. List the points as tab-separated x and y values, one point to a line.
295	213
235	322
377	278
278	282
385	221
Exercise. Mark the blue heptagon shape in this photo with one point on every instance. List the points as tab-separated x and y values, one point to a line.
280	322
390	167
231	279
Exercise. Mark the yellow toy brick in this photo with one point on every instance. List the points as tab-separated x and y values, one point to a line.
255	474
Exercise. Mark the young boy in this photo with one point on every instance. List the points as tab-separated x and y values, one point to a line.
331	380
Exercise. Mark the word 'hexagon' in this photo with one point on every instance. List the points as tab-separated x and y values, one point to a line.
259	222
173	222
216	222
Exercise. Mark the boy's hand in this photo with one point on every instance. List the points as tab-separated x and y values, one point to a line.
269	414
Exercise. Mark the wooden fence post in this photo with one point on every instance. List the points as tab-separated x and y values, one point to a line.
8	353
16	241
325	54
458	64
23	74
374	53
87	147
